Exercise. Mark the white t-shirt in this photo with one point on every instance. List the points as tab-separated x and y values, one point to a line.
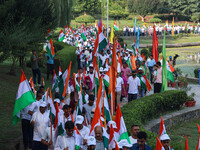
132	140
133	85
119	84
47	134
84	134
65	141
41	122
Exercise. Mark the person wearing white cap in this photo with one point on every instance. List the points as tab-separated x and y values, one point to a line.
101	71
113	123
124	145
83	130
165	140
91	72
91	143
40	120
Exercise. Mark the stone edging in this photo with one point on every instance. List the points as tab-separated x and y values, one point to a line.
182	116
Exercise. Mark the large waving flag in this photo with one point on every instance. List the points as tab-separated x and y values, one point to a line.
61	36
24	97
121	127
155	45
148	85
106	107
50	49
115	26
170	70
162	128
164	67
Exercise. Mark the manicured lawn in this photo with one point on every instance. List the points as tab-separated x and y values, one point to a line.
178	133
169	40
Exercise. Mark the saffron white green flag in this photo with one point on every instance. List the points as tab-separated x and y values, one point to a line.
121	127
106	80
61	36
24	97
78	138
115	26
106	108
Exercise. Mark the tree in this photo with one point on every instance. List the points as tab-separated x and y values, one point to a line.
23	26
117	12
143	7
91	7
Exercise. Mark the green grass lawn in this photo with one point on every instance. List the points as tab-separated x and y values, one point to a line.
169	40
178	133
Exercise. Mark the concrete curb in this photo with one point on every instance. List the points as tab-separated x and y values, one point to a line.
170	120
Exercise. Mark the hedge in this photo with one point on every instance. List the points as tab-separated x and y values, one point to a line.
196	73
85	19
149	107
152	20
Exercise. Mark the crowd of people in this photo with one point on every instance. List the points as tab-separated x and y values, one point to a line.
148	30
134	74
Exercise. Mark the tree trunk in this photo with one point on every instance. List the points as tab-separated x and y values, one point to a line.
13	66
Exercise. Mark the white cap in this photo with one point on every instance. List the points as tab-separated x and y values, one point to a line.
91	141
164	137
79	119
124	143
43	104
140	68
57	100
91	65
101	69
113	123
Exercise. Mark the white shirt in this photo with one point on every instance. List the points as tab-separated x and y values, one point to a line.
24	113
84	134
34	107
47	134
65	141
119	84
133	85
132	140
41	122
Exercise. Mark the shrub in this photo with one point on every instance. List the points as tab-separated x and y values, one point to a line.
144	109
145	52
152	20
85	19
196	73
195	17
170	17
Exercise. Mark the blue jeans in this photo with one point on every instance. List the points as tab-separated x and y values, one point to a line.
27	131
36	72
151	73
37	145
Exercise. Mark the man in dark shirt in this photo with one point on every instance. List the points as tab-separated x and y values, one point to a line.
35	67
141	140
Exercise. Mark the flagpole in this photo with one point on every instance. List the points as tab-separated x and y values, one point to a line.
107	19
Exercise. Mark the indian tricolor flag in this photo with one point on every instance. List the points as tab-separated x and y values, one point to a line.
111	138
50	49
106	79
162	128
121	127
60	71
58	124
52	113
115	26
24	97
61	36
170	70
106	107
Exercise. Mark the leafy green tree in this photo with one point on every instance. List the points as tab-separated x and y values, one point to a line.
91	7
143	7
23	26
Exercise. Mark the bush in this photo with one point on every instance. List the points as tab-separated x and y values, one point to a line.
152	20
196	73
195	17
85	19
144	109
145	52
